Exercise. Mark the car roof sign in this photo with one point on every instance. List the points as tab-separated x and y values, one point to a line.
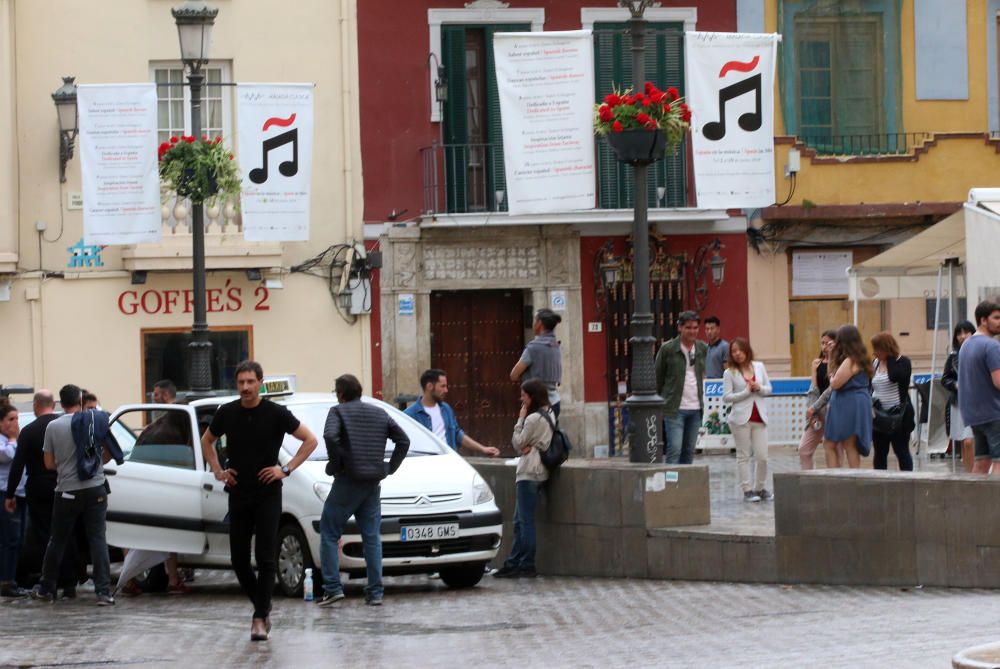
276	386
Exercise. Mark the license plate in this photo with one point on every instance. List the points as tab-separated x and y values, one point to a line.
428	532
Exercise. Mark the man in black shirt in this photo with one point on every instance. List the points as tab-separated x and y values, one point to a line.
254	429
40	487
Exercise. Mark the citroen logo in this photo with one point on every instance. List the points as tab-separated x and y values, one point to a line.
423	501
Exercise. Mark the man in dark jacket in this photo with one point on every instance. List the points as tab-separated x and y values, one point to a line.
355	435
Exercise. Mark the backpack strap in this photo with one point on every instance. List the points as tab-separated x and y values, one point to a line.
548	419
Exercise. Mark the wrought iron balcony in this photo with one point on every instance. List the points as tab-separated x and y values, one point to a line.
469	178
874	144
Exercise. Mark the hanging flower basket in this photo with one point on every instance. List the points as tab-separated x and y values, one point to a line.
199	169
642	127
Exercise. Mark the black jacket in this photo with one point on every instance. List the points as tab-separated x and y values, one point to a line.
900	370
355	436
41	483
949	379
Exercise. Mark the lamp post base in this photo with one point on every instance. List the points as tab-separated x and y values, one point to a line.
645	428
201	368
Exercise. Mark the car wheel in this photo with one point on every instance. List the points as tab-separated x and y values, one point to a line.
293	559
462	576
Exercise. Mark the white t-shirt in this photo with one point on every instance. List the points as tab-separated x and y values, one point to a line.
689	396
437	422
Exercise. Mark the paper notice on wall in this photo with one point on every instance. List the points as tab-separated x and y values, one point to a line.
118	164
816	273
276	144
730	84
545	81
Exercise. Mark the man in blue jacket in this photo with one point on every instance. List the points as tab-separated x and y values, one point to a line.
436	415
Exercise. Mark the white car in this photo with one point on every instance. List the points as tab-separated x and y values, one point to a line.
438	514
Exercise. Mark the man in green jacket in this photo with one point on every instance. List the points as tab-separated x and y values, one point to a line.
680	370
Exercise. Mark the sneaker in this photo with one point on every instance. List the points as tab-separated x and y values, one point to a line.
105	600
13	590
373	601
42	595
527	572
751	496
765	496
506	572
131	589
178	589
329	599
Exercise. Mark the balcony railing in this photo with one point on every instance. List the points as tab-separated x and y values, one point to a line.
469	178
875	144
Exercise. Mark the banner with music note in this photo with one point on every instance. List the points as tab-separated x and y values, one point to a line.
275	143
730	88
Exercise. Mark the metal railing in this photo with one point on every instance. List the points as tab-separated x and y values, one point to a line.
470	178
875	144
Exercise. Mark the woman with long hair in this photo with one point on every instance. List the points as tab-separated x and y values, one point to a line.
532	434
818	397
849	416
891	393
958	431
745	385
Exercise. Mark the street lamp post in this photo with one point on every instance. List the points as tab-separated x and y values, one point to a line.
645	406
194	21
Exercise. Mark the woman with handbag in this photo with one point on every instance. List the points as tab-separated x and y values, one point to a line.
958	431
849	416
745	385
893	413
818	397
532	434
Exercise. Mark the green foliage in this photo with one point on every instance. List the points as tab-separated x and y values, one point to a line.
652	110
199	169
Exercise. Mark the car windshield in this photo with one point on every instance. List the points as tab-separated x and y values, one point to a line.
422	441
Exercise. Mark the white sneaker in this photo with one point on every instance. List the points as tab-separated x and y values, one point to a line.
751	496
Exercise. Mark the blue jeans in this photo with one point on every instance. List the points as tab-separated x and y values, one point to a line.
522	554
362	500
91	506
987	436
682	435
11	538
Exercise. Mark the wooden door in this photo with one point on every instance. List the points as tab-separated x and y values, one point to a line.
476	338
810	318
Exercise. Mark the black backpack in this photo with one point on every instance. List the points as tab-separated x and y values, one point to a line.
559	448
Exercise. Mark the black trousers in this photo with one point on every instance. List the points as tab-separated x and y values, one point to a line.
250	516
900	443
40	529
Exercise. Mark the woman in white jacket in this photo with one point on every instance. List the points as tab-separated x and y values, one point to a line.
745	385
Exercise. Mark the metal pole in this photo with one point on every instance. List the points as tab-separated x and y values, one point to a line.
200	347
644	404
951	328
930	393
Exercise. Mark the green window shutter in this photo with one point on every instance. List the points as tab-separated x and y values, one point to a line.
613	69
456	133
496	178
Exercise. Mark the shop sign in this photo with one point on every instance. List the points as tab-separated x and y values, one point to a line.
217	300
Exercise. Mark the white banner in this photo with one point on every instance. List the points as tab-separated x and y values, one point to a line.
730	82
546	85
275	143
118	164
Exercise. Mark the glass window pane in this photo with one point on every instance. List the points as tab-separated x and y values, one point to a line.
815	83
176	76
814	54
816	112
160	76
166	357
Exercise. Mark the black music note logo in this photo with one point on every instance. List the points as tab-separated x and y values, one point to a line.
288	168
749	121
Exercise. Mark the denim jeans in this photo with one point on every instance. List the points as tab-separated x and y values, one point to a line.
258	516
522	553
362	500
682	435
91	506
987	436
11	538
40	529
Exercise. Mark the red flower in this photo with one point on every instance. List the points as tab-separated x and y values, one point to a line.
173	140
189	140
673	93
642	118
685	113
606	114
612	99
218	140
230	156
646	102
650	88
627	99
652	124
658	97
666	108
617	126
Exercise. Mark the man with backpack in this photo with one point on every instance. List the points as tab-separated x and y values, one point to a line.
81	492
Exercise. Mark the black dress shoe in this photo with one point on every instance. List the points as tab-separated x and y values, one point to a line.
507	572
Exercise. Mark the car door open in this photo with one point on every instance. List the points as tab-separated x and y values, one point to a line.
156	496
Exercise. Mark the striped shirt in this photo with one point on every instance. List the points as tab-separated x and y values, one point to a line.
884	390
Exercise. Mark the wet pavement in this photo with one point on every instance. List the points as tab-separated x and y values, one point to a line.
545	622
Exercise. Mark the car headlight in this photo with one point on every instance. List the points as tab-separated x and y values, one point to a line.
481	492
322	490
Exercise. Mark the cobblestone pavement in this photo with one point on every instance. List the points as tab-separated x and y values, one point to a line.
546	622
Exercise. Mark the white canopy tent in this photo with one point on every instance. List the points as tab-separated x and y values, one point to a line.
962	250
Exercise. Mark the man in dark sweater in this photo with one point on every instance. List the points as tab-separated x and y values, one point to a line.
355	436
40	487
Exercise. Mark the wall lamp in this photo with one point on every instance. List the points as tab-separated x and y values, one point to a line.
441	83
65	99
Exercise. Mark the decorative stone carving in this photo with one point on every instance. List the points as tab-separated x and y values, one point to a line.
557	262
494	263
406	264
487	4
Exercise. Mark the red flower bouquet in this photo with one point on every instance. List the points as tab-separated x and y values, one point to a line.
650	110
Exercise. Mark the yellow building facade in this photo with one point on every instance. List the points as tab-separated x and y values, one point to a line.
114	319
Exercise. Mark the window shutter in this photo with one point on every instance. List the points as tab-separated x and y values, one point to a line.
496	178
456	134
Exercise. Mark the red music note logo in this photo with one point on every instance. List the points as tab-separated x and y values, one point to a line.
287	168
